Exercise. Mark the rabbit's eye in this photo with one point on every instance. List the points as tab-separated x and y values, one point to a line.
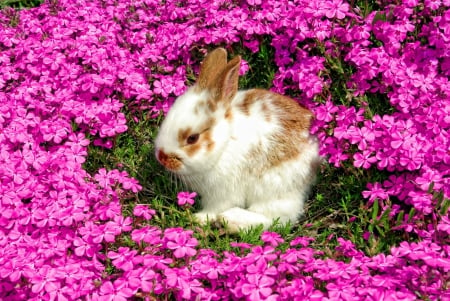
192	138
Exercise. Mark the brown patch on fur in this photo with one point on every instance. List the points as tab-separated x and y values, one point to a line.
204	141
212	105
183	135
208	124
286	144
207	140
293	116
295	121
266	111
283	148
197	89
199	108
205	107
191	149
169	161
250	98
229	114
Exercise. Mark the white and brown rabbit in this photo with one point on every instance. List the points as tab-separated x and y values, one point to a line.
249	154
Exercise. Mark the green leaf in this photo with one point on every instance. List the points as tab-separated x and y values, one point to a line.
411	214
375	209
400	218
379	16
445	206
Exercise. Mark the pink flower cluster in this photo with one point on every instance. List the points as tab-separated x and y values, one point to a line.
412	141
170	263
68	68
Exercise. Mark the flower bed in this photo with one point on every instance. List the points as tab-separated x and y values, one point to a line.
69	67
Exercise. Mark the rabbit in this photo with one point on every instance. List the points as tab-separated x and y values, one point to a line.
248	153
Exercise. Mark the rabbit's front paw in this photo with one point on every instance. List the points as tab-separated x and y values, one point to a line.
203	217
237	218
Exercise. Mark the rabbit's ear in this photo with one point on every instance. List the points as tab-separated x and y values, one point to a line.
211	67
226	84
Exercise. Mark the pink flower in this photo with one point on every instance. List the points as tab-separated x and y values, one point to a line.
123	224
181	242
143	211
258	287
123	258
116	291
375	192
105	233
160	88
272	238
326	112
186	198
336	8
150	235
179	278
141	278
302	241
44	280
444	225
364	159
254	2
244	67
83	248
209	266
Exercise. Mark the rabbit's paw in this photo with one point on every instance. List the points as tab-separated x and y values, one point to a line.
237	218
203	217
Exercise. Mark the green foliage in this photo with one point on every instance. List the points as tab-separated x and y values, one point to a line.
261	68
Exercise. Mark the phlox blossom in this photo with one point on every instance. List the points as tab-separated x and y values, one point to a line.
181	242
122	258
258	287
364	160
186	198
271	238
376	191
336	8
114	291
143	211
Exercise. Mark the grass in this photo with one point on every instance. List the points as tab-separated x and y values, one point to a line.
334	203
261	68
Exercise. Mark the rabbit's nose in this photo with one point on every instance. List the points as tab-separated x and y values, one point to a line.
169	161
161	156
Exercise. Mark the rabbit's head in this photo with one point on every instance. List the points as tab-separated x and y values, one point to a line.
197	128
